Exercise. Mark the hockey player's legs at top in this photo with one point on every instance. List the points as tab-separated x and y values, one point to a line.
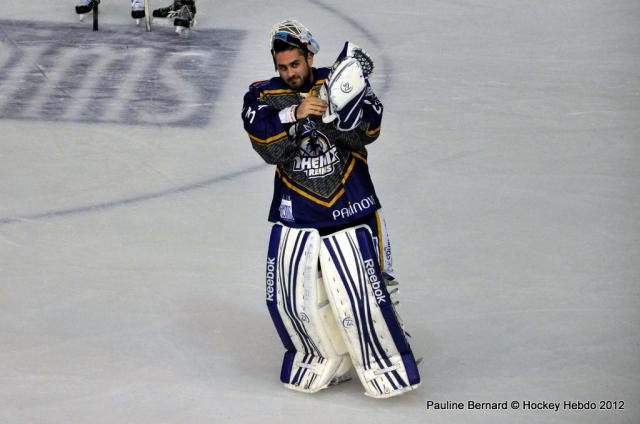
85	6
137	9
182	12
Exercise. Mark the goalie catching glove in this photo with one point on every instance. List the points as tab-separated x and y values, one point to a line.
346	87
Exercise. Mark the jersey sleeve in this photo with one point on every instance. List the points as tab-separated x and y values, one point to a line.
269	136
369	128
372	110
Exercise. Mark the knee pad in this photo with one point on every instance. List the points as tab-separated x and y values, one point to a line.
316	355
365	314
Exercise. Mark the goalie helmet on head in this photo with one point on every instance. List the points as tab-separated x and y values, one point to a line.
295	34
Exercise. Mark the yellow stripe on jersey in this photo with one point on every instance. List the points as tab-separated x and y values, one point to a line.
279	91
310	197
268	140
349	170
317	83
371	133
359	156
380	246
314	199
265	93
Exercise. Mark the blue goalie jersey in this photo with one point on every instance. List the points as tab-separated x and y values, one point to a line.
322	179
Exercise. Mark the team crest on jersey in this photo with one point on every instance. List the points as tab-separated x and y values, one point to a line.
317	156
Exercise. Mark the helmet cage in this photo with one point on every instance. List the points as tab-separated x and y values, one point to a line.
294	34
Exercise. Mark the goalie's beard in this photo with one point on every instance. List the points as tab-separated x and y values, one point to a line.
306	84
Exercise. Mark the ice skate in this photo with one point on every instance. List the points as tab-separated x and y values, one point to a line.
184	21
340	379
137	10
84	7
182	12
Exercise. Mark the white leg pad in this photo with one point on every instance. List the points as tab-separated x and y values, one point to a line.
359	299
316	354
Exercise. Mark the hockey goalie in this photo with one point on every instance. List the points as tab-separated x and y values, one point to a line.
329	275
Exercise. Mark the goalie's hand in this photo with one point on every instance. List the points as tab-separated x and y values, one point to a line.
312	105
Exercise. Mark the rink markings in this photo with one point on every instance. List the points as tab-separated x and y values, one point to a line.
134	200
119	75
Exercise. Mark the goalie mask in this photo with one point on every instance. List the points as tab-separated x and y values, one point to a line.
295	34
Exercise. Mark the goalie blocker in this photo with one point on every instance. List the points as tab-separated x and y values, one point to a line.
337	317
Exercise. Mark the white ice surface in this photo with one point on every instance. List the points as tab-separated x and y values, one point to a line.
131	287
